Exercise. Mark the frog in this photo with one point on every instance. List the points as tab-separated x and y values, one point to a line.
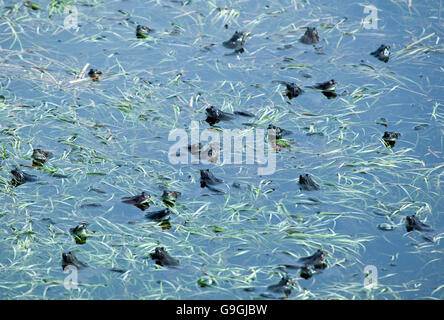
420	126
216	115
208	152
282	287
236	42
277	132
69	259
39	157
21	177
382	53
292	89
196	148
80	233
94	74
142	31
141	201
390	138
308	264
244	114
158	215
310	36
307	183
208	180
327	88
317	260
413	223
169	197
162	258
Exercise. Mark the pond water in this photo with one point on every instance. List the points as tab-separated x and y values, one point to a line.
110	139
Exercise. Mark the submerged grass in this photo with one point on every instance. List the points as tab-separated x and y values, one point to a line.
110	139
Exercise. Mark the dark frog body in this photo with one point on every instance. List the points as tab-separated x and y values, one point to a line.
207	152
317	260
69	259
208	180
413	223
236	42
215	115
292	89
141	201
277	132
20	177
142	31
314	262
158	215
328	88
94	74
390	138
382	53
244	114
310	36
307	183
39	157
282	287
162	258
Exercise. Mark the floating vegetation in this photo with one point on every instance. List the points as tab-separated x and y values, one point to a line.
32	5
